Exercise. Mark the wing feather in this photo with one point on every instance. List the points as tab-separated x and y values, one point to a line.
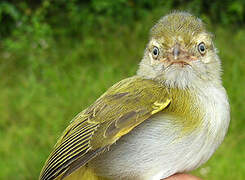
124	106
82	161
74	145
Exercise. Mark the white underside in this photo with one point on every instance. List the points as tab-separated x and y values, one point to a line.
156	150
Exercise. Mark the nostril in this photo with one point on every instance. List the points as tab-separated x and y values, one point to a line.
176	52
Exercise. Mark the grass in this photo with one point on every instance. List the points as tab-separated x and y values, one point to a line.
43	88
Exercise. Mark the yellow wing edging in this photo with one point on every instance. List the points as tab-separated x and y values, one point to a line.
159	106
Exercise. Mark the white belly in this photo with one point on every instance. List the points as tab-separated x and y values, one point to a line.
156	149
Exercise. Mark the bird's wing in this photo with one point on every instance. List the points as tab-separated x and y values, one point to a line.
124	106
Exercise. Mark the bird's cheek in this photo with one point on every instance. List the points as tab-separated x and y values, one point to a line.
206	59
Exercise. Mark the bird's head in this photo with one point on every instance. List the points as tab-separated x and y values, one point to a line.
180	53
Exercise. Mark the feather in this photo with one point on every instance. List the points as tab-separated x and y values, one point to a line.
123	107
82	161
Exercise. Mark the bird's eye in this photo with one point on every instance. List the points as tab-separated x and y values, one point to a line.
201	48
155	52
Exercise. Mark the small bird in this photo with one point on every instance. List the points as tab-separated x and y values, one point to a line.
167	119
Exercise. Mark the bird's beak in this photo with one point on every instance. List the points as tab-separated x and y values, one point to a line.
178	55
176	52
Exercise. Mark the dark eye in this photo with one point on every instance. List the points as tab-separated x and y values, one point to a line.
155	52
201	48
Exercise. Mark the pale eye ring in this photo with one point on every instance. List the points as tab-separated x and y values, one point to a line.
202	48
155	52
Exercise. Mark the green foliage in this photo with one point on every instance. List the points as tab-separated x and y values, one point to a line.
8	13
74	16
57	57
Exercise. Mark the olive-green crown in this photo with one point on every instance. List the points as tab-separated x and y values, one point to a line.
177	23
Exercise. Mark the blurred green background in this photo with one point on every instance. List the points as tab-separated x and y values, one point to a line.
57	57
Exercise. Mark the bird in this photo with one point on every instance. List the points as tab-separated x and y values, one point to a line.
168	118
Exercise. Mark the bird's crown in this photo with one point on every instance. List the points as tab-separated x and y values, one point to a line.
177	23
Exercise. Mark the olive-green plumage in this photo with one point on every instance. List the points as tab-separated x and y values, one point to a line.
124	106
